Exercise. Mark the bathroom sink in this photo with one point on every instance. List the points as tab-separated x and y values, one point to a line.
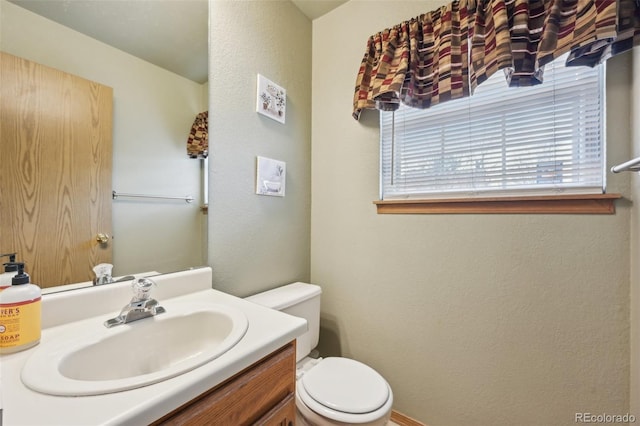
98	360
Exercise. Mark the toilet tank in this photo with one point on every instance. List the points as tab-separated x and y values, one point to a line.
300	300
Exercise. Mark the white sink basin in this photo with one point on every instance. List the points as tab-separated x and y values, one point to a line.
98	360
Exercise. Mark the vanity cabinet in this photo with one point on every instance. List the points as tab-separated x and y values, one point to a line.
261	394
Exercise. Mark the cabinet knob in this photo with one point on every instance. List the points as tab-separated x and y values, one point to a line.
102	238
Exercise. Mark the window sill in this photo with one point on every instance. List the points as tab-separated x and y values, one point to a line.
550	204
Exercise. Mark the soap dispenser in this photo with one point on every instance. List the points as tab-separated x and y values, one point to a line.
20	313
10	270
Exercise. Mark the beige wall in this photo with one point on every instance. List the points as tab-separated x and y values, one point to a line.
474	319
258	242
153	113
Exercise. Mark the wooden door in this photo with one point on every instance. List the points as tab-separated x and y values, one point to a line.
55	170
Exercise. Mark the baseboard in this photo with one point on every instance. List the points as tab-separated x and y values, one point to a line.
403	420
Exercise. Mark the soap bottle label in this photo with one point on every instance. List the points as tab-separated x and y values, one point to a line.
19	323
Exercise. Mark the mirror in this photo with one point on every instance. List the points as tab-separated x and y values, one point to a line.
153	54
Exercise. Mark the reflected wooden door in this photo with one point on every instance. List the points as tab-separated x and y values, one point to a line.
55	170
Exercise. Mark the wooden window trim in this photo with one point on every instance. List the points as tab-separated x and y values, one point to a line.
548	204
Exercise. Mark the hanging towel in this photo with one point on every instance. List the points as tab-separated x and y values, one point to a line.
198	141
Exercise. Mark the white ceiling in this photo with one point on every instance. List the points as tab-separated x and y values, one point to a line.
172	34
316	8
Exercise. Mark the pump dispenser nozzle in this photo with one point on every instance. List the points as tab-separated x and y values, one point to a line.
10	269
21	277
9	266
11	256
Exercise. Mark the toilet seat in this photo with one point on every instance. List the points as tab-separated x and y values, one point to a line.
345	390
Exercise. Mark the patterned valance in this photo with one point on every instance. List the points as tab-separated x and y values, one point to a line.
421	62
424	61
198	141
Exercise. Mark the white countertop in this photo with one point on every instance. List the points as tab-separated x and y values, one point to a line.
268	330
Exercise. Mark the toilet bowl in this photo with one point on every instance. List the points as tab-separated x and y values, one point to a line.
342	391
333	390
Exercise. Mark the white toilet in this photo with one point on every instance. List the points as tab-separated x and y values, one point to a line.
329	391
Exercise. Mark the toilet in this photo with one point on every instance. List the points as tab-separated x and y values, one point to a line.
332	390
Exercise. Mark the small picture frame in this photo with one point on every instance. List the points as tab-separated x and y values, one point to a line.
271	177
271	99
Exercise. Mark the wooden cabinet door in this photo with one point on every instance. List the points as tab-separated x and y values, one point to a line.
260	395
284	414
55	170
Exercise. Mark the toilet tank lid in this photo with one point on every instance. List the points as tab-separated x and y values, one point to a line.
283	297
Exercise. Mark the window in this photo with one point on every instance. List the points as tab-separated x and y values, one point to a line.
204	170
500	142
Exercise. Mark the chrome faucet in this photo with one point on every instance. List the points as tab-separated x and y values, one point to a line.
141	305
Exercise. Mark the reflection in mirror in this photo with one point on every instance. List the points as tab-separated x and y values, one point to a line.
156	94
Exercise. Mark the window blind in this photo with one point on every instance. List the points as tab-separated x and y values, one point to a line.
540	140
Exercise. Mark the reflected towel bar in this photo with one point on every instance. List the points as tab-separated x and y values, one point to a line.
115	195
631	166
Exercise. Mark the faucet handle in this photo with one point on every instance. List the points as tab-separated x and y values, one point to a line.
141	289
103	274
141	305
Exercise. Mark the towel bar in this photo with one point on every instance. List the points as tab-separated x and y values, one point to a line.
115	195
631	166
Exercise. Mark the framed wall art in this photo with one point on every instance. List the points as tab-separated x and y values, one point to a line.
271	99
271	176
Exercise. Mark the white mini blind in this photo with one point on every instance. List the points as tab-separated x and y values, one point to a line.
540	140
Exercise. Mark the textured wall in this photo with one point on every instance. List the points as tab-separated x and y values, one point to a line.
152	116
474	319
258	242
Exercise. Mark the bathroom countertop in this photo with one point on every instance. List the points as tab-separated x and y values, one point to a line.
268	330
